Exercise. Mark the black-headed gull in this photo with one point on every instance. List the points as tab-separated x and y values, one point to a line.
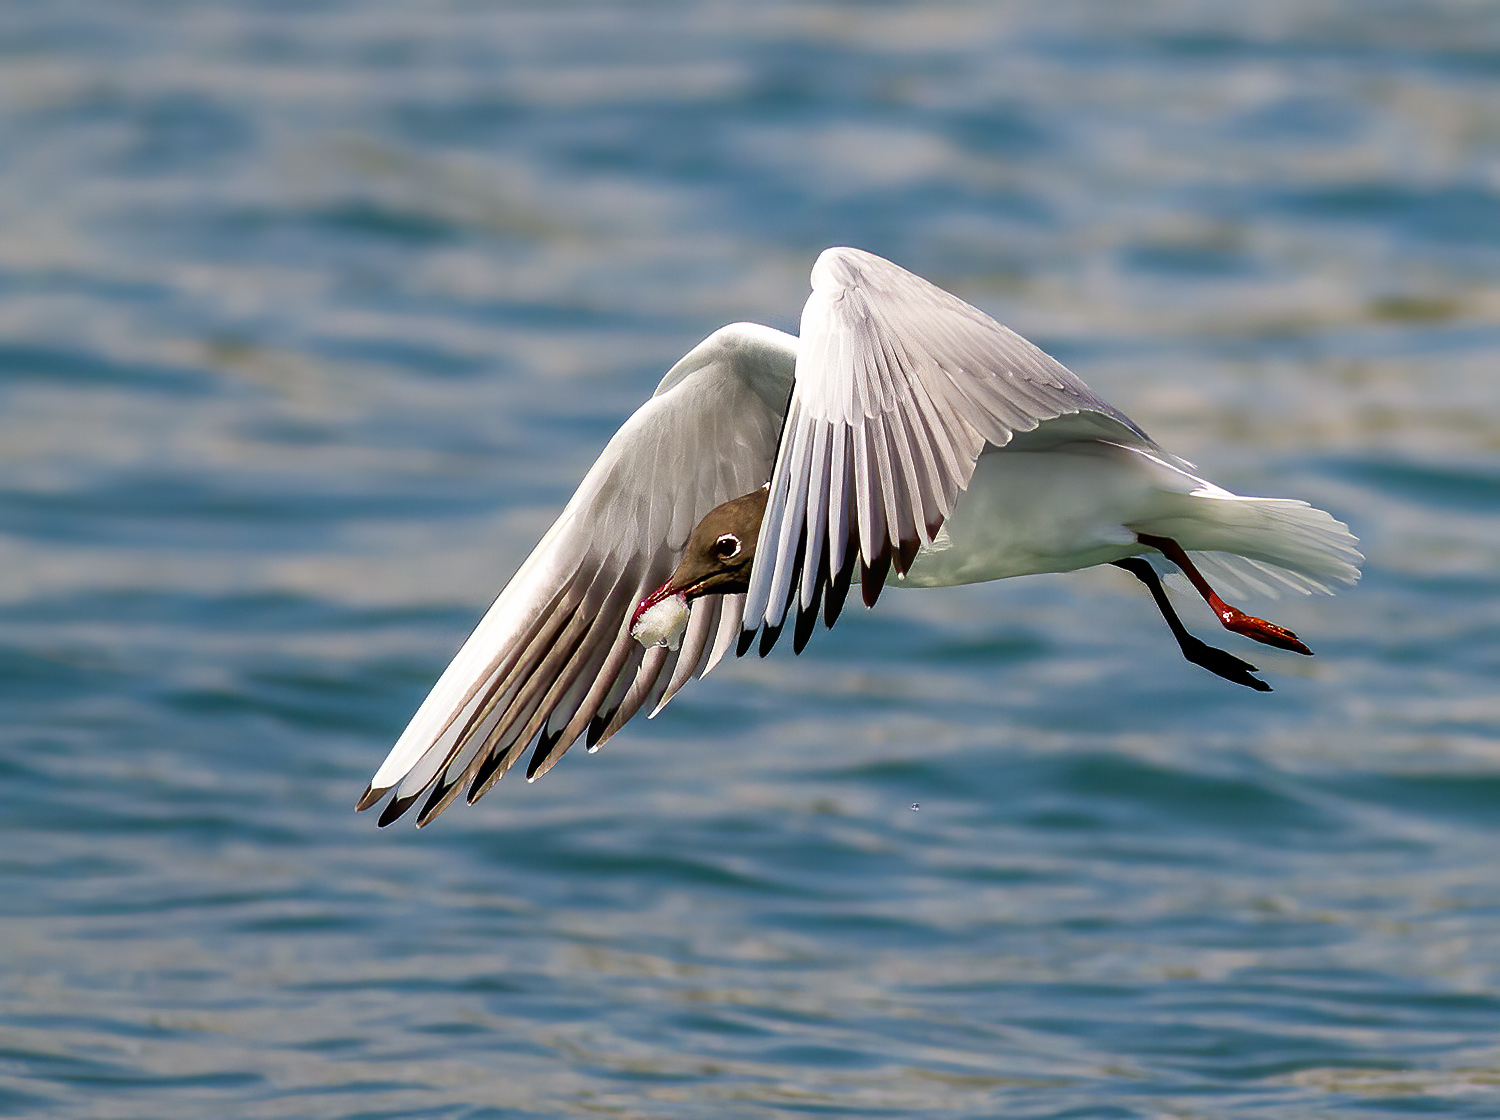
908	439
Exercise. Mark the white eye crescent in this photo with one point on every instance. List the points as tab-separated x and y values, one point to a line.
727	547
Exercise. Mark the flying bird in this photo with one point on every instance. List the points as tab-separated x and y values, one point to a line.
906	438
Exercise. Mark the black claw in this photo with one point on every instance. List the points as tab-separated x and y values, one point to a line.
1200	653
1221	663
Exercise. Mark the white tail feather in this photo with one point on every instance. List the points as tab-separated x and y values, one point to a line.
1262	546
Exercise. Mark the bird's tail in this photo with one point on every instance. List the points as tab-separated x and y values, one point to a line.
1264	546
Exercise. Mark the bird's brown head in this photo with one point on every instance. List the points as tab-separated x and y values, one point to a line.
719	553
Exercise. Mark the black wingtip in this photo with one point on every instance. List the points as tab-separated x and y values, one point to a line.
807	622
397	806
768	636
542	754
838	591
807	617
906	552
596	729
746	640
442	793
872	577
370	797
482	776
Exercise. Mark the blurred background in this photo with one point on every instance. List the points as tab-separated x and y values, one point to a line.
311	317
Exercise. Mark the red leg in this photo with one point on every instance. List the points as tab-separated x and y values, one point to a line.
1267	633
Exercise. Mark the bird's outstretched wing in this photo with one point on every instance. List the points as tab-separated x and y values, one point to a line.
553	658
899	387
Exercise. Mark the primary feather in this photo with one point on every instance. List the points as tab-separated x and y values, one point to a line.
553	657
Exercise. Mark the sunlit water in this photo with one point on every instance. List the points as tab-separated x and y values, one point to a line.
311	316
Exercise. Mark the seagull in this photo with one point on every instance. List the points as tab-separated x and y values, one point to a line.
907	439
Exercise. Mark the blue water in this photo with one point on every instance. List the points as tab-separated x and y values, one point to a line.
313	314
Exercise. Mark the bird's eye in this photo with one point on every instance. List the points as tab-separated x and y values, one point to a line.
727	546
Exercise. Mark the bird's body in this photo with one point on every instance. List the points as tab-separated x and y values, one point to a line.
907	439
1083	503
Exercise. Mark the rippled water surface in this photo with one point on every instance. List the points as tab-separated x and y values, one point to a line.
312	315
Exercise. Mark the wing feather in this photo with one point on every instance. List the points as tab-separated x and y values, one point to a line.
904	384
729	630
553	659
817	507
703	623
